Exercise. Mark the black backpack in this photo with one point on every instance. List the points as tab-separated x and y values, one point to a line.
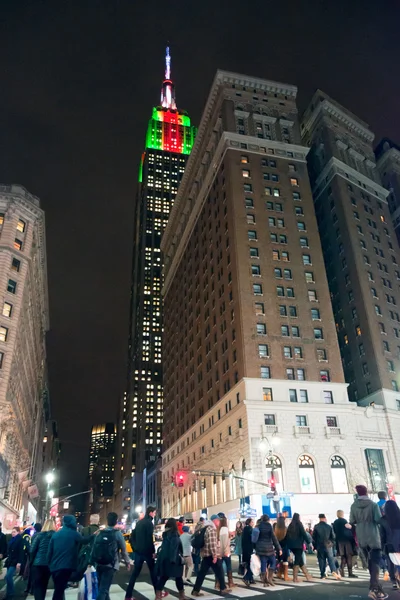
105	547
84	558
197	540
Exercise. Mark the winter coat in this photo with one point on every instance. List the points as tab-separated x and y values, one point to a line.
238	543
265	540
224	542
295	541
186	541
247	544
40	548
169	560
64	546
211	546
142	536
390	538
341	532
366	516
15	551
323	536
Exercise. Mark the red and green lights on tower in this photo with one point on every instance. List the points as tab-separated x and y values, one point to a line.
169	129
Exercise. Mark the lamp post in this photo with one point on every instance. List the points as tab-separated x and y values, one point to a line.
49	478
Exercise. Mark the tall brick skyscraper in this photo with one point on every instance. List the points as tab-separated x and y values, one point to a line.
360	248
169	140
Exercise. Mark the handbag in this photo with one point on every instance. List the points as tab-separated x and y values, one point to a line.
395	558
255	565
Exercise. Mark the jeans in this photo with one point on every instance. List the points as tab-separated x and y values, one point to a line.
10	581
105	576
161	581
139	560
267	561
206	564
373	556
323	555
40	581
228	563
60	579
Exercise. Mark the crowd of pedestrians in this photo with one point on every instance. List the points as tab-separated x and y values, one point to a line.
372	534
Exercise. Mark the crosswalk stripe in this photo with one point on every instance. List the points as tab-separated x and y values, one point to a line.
240	591
144	589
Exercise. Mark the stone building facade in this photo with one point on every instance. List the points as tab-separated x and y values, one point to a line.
24	321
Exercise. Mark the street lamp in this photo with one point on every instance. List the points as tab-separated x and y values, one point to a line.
50	494
138	509
49	478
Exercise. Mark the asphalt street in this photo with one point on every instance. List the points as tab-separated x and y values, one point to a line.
340	590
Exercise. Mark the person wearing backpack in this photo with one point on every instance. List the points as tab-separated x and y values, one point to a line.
206	539
143	542
108	545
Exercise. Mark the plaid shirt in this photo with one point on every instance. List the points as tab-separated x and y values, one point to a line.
210	547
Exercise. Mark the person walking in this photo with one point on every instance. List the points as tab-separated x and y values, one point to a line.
169	560
382	501
296	537
196	552
323	542
238	541
247	551
366	516
266	544
225	548
390	538
108	545
210	559
3	548
280	531
345	543
62	554
181	523
15	556
186	539
143	541
40	572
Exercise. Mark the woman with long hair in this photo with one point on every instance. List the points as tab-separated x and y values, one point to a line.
238	540
296	537
170	560
15	557
38	559
280	531
390	536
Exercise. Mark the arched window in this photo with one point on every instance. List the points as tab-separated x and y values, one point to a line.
307	475
273	467
339	476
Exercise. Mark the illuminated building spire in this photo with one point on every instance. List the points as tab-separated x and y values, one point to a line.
168	88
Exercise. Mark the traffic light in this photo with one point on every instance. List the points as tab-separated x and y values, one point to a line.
172	482
180	480
6	495
272	482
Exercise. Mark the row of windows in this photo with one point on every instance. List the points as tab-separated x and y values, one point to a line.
324	374
294	396
271	177
282	292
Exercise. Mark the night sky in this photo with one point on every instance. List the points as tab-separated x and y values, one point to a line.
78	82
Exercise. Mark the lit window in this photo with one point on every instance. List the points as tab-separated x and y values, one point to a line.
21	225
7	309
3	334
309	275
294	181
244	159
1	359
245	173
2	219
259	306
17	244
312	295
324	375
267	393
277	192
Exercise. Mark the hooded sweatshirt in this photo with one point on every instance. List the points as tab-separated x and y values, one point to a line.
64	546
366	516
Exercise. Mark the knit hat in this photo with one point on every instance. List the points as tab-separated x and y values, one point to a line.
361	490
185	528
213	517
321	516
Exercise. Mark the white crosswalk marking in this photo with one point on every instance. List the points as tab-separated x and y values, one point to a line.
145	589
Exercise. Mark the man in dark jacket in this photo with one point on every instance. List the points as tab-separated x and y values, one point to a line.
366	516
62	556
3	545
105	572
323	541
143	542
266	545
345	543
